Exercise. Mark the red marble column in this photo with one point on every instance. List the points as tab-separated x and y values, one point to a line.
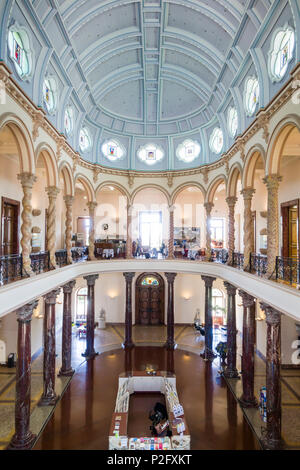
23	437
128	311
66	369
248	399
128	361
170	344
272	439
208	353
170	361
90	320
49	396
231	370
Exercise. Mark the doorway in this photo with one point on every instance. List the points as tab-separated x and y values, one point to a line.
290	229
149	299
150	229
10	227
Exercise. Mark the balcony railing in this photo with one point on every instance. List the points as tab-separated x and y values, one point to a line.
288	270
40	262
219	255
11	268
258	264
238	260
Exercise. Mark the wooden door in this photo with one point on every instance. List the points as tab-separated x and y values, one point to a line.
149	299
10	227
290	228
293	232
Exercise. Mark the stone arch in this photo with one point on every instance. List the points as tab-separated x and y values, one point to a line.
234	174
45	151
255	153
213	186
117	186
87	186
150	186
183	186
277	142
67	175
23	141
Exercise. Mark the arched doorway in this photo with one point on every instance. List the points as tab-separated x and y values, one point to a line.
149	299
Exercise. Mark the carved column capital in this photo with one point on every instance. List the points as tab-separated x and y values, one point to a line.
68	288
24	314
27	179
52	191
171	208
69	200
92	206
91	279
231	290
248	300
247	193
231	201
129	209
208	207
129	277
272	182
170	277
208	280
273	316
50	297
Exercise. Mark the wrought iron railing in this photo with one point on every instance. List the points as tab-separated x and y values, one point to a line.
258	264
11	268
61	258
79	253
238	260
40	262
288	270
219	255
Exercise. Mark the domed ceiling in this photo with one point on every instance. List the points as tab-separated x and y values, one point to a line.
152	65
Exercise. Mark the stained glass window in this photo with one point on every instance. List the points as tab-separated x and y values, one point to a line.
69	120
251	95
85	141
150	154
150	281
232	121
216	140
112	150
50	94
188	151
20	52
281	53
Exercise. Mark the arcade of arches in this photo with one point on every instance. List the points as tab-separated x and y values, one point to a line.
133	260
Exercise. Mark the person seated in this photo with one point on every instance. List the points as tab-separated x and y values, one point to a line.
159	418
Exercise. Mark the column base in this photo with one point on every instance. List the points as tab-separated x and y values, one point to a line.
127	345
22	444
251	403
170	345
66	373
90	355
208	355
231	374
49	401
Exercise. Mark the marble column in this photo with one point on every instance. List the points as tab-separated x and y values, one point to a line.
27	180
272	438
23	437
92	206
208	207
52	192
272	183
170	361
231	370
208	353
129	234
248	227
170	344
128	361
128	311
231	202
66	369
171	233
49	396
90	320
248	399
69	226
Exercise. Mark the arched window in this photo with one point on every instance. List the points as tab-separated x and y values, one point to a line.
113	151
150	281
150	154
232	122
281	53
69	120
50	94
188	151
85	140
20	52
81	305
216	140
251	95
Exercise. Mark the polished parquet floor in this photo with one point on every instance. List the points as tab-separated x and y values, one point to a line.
82	417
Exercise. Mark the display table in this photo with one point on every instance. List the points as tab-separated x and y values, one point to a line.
142	382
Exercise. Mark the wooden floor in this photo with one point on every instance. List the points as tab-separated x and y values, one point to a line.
82	418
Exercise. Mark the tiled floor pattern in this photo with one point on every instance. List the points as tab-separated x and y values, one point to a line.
112	338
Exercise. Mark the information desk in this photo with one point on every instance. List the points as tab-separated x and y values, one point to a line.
142	382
